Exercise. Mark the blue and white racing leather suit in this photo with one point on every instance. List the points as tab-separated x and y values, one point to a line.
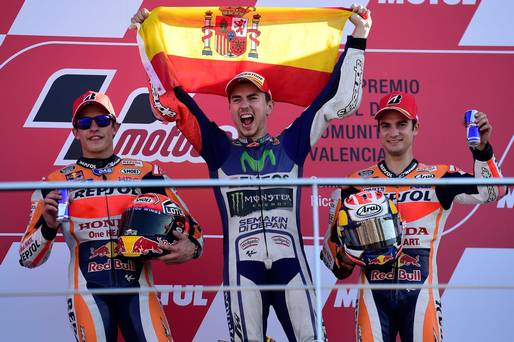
261	225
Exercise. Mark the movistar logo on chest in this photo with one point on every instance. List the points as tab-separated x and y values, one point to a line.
257	165
244	202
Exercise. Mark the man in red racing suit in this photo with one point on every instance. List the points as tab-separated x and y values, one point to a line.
414	314
92	230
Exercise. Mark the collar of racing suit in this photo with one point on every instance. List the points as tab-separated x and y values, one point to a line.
248	141
256	143
92	163
388	173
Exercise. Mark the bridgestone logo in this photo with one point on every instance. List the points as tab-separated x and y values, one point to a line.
244	202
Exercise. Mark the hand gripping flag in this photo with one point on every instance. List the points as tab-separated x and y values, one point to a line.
202	48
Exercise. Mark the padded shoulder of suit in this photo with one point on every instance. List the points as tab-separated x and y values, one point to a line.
60	174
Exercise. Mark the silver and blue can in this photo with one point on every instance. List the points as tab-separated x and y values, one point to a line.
472	131
63	207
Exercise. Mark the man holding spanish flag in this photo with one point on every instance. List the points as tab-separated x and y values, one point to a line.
262	237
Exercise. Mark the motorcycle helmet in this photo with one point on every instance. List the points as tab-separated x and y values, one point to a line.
149	219
369	228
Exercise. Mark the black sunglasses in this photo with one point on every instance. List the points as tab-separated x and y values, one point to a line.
101	121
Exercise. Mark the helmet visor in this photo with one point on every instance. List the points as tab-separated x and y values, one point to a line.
144	221
375	233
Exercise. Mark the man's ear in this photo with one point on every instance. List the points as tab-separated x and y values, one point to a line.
269	107
116	127
74	131
416	128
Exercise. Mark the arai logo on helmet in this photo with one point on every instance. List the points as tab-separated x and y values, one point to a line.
369	210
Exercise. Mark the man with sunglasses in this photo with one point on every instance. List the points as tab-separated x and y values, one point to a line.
92	230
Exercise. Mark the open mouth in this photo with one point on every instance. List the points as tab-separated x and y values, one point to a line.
246	120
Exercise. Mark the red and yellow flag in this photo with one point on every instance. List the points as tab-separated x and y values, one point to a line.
202	48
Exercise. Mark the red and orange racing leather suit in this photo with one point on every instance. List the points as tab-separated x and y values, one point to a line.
91	236
414	314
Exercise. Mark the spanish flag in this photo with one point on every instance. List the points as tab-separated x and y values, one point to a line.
202	48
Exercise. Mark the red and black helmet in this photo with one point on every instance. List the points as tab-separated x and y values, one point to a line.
149	219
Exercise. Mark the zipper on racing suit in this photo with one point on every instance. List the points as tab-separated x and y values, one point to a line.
112	243
395	265
261	145
383	167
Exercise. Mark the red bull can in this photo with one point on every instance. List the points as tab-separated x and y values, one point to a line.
472	131
63	207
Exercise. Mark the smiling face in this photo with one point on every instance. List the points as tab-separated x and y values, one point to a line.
250	110
96	142
397	133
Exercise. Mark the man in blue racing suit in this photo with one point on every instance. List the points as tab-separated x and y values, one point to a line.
262	238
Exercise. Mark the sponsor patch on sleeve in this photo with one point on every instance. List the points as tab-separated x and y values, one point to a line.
67	169
77	175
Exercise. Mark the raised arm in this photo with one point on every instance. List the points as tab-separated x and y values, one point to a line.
485	166
343	93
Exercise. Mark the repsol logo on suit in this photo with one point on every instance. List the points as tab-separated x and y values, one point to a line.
412	196
82	193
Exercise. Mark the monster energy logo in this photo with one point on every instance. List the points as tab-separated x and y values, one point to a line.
257	165
244	202
236	202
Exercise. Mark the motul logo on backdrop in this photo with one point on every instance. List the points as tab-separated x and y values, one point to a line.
154	142
140	135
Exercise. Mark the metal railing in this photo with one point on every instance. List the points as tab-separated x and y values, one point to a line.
314	182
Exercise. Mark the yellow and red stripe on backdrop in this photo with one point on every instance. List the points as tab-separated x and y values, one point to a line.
201	48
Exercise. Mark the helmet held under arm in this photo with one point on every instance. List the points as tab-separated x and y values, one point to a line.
149	219
369	228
